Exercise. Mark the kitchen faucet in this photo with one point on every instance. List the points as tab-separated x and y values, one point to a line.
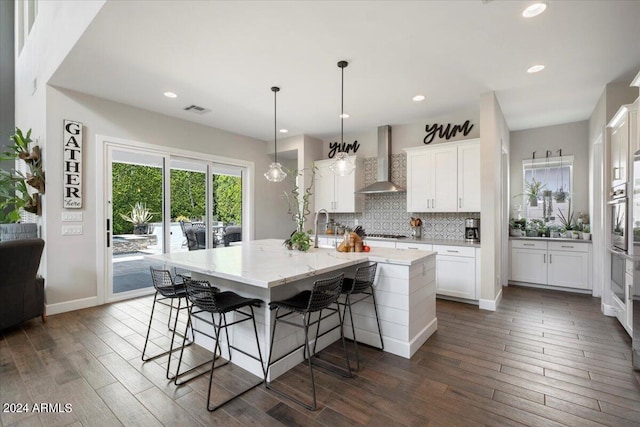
315	242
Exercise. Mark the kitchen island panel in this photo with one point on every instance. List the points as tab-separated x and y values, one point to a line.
266	270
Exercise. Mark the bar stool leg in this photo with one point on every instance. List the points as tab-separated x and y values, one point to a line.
375	307
153	307
213	362
305	319
173	337
353	330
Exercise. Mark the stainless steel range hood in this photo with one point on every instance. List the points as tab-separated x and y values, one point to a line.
383	183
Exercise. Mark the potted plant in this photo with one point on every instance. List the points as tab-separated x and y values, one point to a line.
299	209
14	192
139	217
533	191
561	195
586	232
517	227
568	223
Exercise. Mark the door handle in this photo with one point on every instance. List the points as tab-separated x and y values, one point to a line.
629	297
108	239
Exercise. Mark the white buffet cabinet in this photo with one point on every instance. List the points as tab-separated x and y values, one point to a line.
444	177
560	263
457	267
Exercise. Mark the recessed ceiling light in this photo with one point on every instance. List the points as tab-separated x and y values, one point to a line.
170	95
344	116
418	98
534	10
535	69
284	130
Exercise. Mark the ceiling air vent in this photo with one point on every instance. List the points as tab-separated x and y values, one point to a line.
196	109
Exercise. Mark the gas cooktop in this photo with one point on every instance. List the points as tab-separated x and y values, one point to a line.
386	235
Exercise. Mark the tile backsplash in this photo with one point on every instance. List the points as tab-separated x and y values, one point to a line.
387	212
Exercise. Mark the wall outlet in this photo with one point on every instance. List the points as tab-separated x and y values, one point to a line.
72	230
71	216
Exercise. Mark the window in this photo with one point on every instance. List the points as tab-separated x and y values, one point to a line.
548	186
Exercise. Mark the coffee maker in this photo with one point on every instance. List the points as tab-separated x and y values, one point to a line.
472	230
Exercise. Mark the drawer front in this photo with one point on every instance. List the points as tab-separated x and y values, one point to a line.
418	246
455	251
529	244
381	244
568	246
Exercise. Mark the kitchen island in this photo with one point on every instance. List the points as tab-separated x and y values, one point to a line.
405	293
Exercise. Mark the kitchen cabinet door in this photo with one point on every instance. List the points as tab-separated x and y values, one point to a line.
529	265
444	184
469	177
419	182
324	187
346	200
337	193
568	269
455	276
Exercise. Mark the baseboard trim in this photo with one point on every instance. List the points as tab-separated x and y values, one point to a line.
63	307
608	310
490	305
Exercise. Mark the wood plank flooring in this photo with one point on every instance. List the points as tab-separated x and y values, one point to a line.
544	358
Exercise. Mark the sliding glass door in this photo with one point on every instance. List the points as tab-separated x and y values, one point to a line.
156	203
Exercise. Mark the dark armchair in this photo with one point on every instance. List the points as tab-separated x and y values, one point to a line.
195	238
232	233
21	290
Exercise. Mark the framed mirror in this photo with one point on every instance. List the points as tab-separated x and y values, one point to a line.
547	189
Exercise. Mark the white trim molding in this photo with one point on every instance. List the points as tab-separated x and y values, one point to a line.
490	305
77	304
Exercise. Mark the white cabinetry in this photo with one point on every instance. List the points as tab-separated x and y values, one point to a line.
564	263
337	193
619	146
456	271
444	177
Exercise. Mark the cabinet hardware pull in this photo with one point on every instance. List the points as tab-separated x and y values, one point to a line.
460	202
544	260
455	252
433	203
528	244
428	204
550	258
630	295
568	247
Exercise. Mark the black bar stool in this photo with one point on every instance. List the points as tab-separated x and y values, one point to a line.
361	284
325	292
205	298
169	289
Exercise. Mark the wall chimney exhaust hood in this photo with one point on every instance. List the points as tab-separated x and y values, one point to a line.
383	183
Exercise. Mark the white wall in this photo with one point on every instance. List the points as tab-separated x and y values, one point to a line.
68	281
494	140
572	139
406	135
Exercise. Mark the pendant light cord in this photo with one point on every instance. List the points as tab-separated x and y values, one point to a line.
275	122
342	108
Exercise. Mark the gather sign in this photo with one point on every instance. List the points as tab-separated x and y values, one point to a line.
72	165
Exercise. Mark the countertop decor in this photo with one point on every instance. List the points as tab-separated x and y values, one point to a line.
299	209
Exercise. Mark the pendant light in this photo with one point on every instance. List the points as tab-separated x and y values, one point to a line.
343	164
275	172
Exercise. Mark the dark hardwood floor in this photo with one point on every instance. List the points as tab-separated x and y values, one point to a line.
544	358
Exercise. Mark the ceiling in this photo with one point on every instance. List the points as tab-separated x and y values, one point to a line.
225	56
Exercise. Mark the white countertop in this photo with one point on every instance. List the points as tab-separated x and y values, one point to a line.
425	240
266	263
